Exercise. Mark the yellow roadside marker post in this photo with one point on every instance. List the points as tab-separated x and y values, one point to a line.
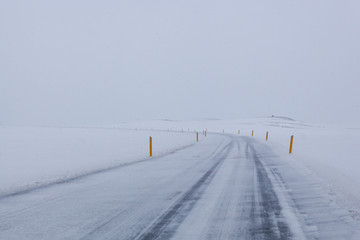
150	141
239	132
252	133
291	144
267	136
197	136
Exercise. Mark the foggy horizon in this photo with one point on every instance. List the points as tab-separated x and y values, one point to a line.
105	62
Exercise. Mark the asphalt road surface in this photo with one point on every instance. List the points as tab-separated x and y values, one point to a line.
224	187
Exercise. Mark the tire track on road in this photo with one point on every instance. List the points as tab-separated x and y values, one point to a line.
266	216
165	226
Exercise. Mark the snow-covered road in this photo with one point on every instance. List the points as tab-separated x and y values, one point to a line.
224	187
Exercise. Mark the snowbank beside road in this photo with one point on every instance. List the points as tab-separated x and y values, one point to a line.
334	155
34	156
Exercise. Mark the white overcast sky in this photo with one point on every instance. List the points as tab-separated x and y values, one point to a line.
107	61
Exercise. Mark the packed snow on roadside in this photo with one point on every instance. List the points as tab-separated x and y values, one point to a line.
36	156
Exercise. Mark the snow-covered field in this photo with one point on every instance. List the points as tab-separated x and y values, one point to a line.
33	156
